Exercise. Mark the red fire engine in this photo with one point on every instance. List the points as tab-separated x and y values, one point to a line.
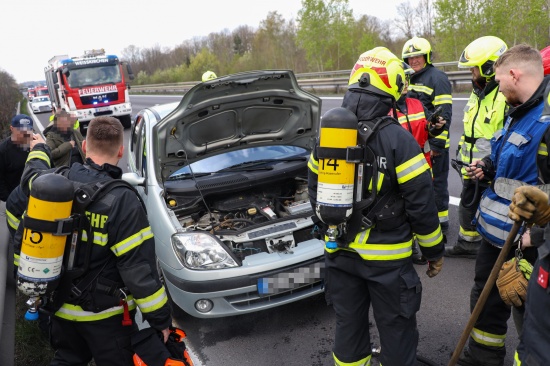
90	85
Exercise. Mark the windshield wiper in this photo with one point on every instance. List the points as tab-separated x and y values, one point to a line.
182	176
255	165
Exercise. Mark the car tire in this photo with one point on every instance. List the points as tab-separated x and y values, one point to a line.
126	121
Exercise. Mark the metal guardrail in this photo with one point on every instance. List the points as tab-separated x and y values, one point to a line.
328	82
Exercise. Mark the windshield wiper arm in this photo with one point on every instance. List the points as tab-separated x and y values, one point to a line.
187	176
248	165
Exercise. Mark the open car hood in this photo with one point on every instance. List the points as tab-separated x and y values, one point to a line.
255	108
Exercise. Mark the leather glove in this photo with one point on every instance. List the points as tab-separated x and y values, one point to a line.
530	204
511	282
434	267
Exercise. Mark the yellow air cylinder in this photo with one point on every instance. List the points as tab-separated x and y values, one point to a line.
41	256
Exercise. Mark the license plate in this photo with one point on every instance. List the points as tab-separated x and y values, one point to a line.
292	279
102	109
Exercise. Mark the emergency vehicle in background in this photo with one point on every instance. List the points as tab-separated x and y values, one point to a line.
40	91
31	93
91	85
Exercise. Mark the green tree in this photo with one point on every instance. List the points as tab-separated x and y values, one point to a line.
9	96
314	19
203	61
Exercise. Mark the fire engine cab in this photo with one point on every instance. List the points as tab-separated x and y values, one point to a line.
91	85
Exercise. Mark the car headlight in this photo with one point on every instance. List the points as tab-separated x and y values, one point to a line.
201	251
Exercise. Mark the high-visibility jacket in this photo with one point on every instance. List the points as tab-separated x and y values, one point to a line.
483	116
518	151
403	173
121	233
411	116
433	88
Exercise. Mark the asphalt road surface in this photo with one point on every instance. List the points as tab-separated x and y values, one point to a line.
302	333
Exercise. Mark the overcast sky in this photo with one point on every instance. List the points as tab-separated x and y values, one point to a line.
32	31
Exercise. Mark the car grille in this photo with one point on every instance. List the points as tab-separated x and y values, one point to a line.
44	108
253	299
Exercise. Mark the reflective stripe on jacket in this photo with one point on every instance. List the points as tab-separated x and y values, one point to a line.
432	87
514	153
483	116
416	123
121	233
404	173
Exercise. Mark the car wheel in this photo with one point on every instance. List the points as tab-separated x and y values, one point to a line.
126	121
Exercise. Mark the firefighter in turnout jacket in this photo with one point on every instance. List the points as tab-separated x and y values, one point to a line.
97	320
433	88
371	264
411	114
518	152
483	116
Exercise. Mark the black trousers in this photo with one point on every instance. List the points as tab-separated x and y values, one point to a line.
440	169
106	341
395	293
534	346
495	314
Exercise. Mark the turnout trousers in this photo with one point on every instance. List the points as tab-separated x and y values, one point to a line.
487	339
440	169
394	291
534	346
106	341
468	237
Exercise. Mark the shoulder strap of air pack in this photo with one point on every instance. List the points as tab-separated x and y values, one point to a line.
358	220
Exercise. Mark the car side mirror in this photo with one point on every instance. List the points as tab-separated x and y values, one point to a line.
134	179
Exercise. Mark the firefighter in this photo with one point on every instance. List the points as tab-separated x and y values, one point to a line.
411	115
433	88
97	320
208	75
483	116
531	204
372	265
518	152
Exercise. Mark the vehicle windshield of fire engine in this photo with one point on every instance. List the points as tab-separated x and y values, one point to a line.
94	76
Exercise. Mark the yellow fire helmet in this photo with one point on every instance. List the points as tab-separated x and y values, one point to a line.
209	75
379	71
482	53
417	46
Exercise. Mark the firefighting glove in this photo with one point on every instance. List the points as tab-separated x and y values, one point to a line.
530	204
512	281
434	267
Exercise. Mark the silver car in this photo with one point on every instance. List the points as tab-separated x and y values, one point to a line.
223	175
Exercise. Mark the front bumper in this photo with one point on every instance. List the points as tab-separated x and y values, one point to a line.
251	292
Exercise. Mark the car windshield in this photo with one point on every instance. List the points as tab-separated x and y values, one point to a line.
41	99
239	158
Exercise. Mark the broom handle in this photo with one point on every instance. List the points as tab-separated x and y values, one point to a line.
486	290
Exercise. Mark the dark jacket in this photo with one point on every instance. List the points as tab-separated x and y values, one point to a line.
12	162
405	176
433	88
122	238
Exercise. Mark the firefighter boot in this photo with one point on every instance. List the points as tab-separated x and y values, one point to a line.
417	257
463	249
469	358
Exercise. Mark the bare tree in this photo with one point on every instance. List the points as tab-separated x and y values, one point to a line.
406	19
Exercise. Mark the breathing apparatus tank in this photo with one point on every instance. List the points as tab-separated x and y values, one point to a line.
335	190
41	257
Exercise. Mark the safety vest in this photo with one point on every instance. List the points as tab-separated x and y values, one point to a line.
515	150
482	118
415	122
